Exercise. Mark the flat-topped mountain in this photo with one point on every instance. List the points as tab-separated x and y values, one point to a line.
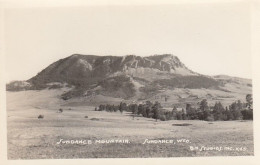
77	67
132	78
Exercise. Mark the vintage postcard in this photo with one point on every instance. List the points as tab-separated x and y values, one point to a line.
136	80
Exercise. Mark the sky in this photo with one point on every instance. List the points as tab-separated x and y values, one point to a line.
210	39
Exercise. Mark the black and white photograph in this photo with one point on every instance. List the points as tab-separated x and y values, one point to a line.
115	80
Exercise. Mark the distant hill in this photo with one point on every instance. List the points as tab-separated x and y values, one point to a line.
132	78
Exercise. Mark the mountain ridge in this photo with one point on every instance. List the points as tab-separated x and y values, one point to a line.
128	77
92	66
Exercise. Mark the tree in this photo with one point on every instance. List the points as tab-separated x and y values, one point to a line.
114	108
184	116
101	107
205	109
228	115
235	109
140	109
148	110
134	109
168	115
188	107
249	101
149	103
206	114
144	112
179	115
155	110
239	105
218	111
174	113
247	114
122	107
204	105
191	112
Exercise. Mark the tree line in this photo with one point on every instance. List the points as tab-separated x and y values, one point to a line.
236	111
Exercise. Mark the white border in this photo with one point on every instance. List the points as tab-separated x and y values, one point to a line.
187	160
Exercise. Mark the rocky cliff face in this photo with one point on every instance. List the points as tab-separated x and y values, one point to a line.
85	70
89	66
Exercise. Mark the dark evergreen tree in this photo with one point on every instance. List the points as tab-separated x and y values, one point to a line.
155	110
218	110
204	109
179	115
191	112
174	113
249	101
148	110
235	110
204	105
134	109
140	109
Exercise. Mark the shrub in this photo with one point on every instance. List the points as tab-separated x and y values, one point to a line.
60	110
86	116
40	116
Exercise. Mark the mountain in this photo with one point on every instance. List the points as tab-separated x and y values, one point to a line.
133	78
96	67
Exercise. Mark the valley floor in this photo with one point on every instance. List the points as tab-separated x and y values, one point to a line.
33	138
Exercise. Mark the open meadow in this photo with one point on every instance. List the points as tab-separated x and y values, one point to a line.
33	138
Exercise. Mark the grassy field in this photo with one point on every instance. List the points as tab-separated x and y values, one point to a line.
33	138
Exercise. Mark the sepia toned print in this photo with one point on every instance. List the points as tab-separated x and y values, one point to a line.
109	106
129	82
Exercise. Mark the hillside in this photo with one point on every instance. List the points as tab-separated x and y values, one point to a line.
130	78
